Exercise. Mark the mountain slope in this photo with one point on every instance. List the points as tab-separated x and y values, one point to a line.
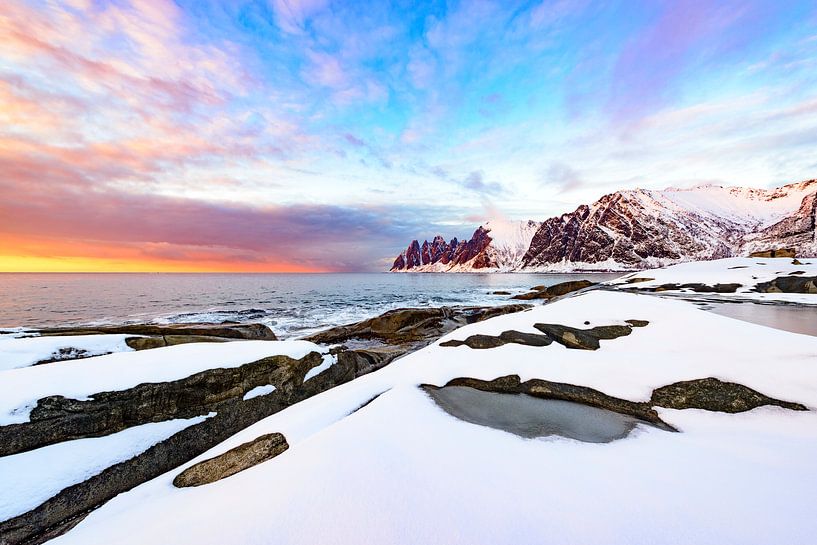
497	244
634	229
646	228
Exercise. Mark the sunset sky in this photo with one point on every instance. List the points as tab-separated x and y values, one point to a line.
309	135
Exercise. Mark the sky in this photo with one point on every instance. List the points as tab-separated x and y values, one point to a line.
311	135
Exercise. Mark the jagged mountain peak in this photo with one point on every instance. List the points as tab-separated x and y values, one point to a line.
635	228
496	244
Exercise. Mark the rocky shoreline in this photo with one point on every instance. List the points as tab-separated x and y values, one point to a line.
230	399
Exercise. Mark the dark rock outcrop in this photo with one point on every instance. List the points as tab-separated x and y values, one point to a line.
477	341
585	339
412	324
546	389
712	394
61	512
237	459
779	252
506	337
55	418
697	287
147	343
222	331
557	290
789	284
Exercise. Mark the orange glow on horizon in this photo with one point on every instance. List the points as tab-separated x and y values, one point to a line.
38	255
33	264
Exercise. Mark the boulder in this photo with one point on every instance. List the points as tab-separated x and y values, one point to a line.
789	284
529	339
712	394
775	252
491	341
237	459
638	323
557	290
584	339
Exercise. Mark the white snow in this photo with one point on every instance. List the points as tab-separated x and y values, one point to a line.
21	388
740	204
328	361
510	241
737	270
21	352
30	478
259	391
402	471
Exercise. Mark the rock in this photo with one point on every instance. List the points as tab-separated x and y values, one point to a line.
546	389
56	418
491	341
585	339
60	513
223	331
638	323
501	292
69	353
237	459
147	343
789	284
637	280
712	394
483	341
529	339
557	290
795	262
796	273
697	287
411	325
779	252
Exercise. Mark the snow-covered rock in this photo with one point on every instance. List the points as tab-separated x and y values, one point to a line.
743	274
635	229
375	460
638	229
497	245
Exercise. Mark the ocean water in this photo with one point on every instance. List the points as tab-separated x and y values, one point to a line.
293	305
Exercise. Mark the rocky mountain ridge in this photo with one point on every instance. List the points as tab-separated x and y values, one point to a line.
634	229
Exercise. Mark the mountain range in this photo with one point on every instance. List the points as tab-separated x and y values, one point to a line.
633	229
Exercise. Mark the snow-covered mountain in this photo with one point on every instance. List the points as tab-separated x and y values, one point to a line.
636	229
495	245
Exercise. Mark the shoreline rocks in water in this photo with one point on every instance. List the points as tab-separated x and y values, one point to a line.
412	325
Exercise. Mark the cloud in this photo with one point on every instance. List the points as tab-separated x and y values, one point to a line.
475	181
317	237
565	178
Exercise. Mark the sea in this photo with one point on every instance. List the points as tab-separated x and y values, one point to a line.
293	305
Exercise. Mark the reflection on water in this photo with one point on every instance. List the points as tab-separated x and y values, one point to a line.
530	417
797	319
